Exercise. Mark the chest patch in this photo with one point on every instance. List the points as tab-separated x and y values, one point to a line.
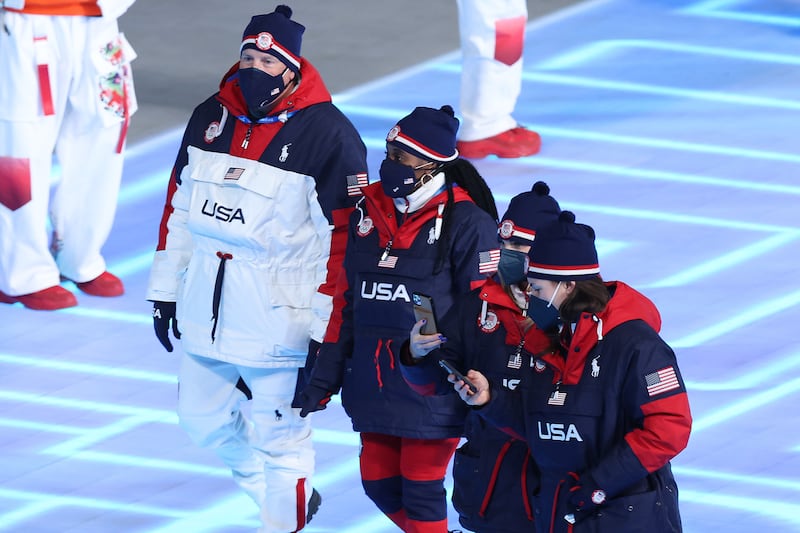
365	227
490	323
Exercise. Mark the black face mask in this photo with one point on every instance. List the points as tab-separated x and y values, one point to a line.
512	267
397	179
260	89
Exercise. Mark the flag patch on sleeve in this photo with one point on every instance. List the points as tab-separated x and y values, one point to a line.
488	261
355	182
661	381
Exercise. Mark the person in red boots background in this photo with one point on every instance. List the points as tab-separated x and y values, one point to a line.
66	88
492	40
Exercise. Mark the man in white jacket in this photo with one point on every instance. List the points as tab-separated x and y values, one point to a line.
250	246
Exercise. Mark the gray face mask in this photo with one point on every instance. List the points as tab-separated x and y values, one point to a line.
512	267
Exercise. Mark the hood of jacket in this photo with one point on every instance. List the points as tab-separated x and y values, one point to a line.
382	211
626	304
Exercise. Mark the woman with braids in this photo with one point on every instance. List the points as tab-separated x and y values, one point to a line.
429	226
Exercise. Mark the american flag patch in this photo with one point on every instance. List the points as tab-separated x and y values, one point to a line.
355	182
557	398
389	262
661	381
488	261
234	173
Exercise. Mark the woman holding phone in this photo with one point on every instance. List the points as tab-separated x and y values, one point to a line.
429	226
494	476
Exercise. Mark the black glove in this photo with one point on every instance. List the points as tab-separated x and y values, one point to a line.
163	314
585	495
313	398
307	396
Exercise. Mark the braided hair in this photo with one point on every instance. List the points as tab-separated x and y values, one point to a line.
464	174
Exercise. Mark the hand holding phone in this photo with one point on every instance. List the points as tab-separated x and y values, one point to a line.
451	370
423	308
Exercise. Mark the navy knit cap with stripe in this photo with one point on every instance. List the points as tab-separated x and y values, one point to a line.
563	251
276	34
527	212
427	133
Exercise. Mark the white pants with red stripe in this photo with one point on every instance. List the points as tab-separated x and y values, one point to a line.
269	451
65	89
492	39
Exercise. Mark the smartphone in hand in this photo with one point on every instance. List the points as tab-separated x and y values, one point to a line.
451	370
423	308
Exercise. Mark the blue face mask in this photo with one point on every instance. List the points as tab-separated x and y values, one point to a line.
398	180
544	313
260	89
512	267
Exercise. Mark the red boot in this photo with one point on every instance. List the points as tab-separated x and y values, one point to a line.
106	284
49	299
516	142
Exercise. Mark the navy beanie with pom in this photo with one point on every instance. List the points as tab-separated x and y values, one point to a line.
527	212
564	251
276	34
427	133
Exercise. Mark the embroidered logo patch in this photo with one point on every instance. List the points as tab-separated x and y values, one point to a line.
212	132
490	324
365	227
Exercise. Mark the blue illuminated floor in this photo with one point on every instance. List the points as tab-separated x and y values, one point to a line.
672	127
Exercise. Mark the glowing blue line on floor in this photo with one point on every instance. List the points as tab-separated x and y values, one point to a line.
92	436
339	438
153	186
589	53
645	88
661	90
725	261
650	142
664	216
331	474
712	9
753	377
569	133
41	427
91	503
658	175
86	368
146	462
227	512
160	415
24	512
142	318
783	512
138	262
764	309
631	172
750	402
745	479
